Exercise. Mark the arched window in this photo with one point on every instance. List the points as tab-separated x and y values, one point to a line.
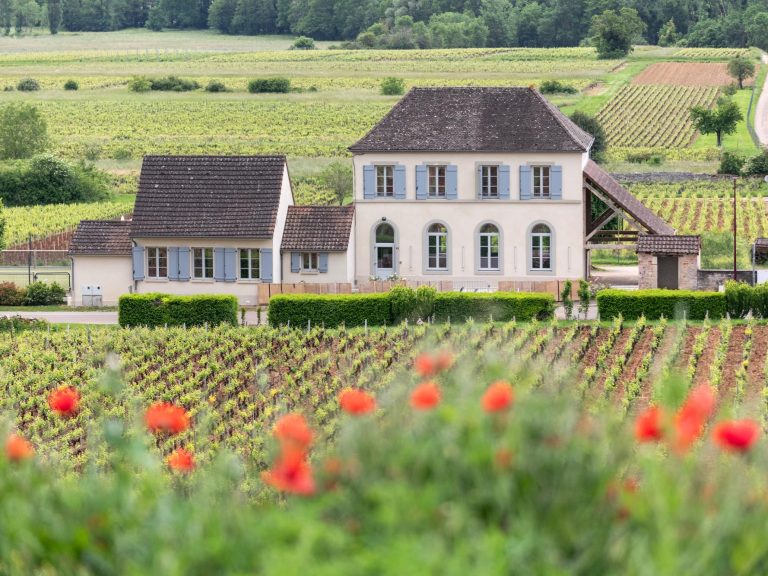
437	247
541	247
384	251
490	247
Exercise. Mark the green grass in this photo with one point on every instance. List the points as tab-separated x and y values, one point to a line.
739	142
58	309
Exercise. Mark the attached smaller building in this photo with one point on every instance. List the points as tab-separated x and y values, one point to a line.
101	262
669	261
317	244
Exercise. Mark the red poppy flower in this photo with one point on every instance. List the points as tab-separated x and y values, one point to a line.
425	365
291	473
292	429
163	417
498	397
648	426
65	401
181	460
18	449
425	396
736	435
356	402
503	458
444	361
692	416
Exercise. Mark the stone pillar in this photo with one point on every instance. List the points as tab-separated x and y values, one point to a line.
648	271
688	272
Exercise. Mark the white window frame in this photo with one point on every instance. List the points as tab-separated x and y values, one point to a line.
536	263
487	237
435	238
486	178
385	180
310	262
206	256
158	255
541	181
437	181
253	260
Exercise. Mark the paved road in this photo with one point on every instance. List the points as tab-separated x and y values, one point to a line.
251	317
761	114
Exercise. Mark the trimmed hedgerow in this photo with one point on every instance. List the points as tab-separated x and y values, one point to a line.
741	299
654	304
160	309
330	310
501	306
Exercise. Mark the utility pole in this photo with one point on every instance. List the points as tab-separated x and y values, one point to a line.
735	266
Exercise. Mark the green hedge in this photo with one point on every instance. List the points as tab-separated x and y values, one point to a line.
654	304
405	303
161	309
501	306
741	299
330	310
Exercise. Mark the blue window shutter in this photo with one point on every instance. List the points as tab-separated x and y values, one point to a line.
266	264
218	265
479	182
556	182
230	264
138	262
369	182
526	182
295	262
504	182
400	182
173	263
452	182
322	262
421	182
184	258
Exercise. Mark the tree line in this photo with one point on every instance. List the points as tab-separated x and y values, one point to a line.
410	23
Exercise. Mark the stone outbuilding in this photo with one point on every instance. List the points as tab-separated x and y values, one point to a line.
668	261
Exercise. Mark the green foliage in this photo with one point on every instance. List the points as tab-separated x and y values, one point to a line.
155	310
23	131
412	305
501	306
741	299
303	43
140	84
3	226
717	249
593	126
28	85
731	163
216	86
269	85
457	30
173	84
11	295
741	69
722	120
757	165
42	294
347	309
337	177
612	33
392	86
71	85
556	87
16	324
668	35
566	297
585	297
653	304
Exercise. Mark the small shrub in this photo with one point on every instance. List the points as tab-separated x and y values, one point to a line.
139	84
731	89
92	151
556	87
303	43
731	163
392	86
269	85
42	294
216	86
122	153
11	295
71	85
585	297
757	165
173	84
653	304
28	85
8	88
651	158
566	296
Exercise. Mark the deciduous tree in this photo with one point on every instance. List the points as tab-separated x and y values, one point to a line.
23	131
741	69
721	120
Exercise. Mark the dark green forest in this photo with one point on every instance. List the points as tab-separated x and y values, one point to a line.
409	23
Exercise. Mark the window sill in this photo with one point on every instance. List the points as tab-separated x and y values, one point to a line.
437	272
249	281
309	272
157	280
481	272
203	280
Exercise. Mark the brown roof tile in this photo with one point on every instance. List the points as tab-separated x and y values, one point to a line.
321	228
470	119
208	196
668	244
625	200
101	237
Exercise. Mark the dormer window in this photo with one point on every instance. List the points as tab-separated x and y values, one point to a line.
541	182
385	181
436	181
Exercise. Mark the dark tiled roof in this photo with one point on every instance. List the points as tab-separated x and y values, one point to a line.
96	237
322	228
761	243
208	196
626	201
666	244
474	120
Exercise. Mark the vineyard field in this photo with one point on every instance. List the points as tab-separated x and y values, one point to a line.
236	381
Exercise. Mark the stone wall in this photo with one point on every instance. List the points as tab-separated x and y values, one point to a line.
687	272
711	280
648	271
